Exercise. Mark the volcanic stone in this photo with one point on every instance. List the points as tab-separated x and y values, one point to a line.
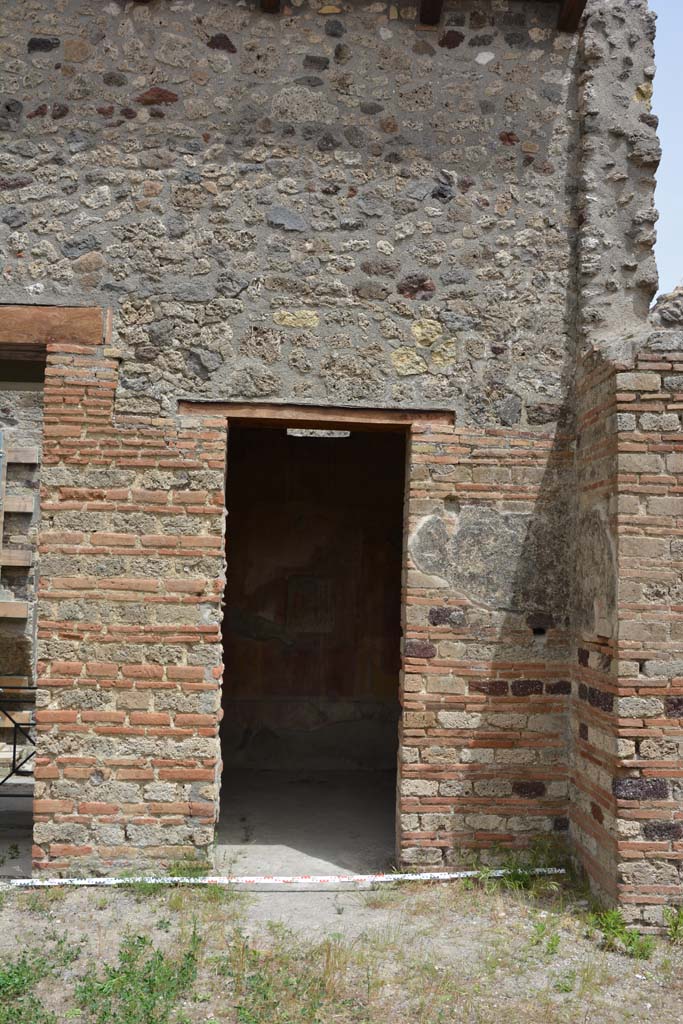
288	220
156	95
315	63
14	217
222	42
42	44
115	78
334	28
79	246
451	39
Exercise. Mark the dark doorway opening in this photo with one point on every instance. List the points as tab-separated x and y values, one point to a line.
311	636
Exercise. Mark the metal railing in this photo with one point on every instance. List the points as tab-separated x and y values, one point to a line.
10	703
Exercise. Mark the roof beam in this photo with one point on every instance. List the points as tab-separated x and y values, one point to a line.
430	12
570	15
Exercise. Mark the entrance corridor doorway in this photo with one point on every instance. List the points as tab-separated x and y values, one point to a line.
312	634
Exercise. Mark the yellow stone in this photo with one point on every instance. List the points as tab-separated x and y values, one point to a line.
446	353
407	361
296	318
426	331
330	9
644	92
76	50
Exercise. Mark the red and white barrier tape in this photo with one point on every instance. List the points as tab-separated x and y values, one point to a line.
282	883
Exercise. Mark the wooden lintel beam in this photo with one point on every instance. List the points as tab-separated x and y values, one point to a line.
32	327
430	12
270	6
321	417
570	15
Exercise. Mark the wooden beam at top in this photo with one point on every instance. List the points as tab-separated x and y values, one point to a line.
430	12
570	15
322	417
270	6
33	326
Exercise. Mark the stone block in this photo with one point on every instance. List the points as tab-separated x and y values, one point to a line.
642	381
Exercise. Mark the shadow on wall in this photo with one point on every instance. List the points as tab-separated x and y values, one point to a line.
503	561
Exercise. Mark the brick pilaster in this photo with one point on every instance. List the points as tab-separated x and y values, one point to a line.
132	573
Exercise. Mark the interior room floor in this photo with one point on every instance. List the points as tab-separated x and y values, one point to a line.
305	823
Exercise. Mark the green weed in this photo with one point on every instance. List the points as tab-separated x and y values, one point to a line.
142	889
189	868
539	930
217	895
42	901
616	936
18	1002
63	953
518	870
674	924
565	982
518	876
293	983
540	933
176	900
143	987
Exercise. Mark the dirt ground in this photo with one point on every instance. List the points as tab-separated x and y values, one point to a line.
414	953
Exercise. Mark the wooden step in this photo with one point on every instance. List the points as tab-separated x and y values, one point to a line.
13	609
22	503
6	764
28	456
22	681
20	717
16	556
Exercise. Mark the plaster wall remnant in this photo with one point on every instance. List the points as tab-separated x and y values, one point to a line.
339	209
